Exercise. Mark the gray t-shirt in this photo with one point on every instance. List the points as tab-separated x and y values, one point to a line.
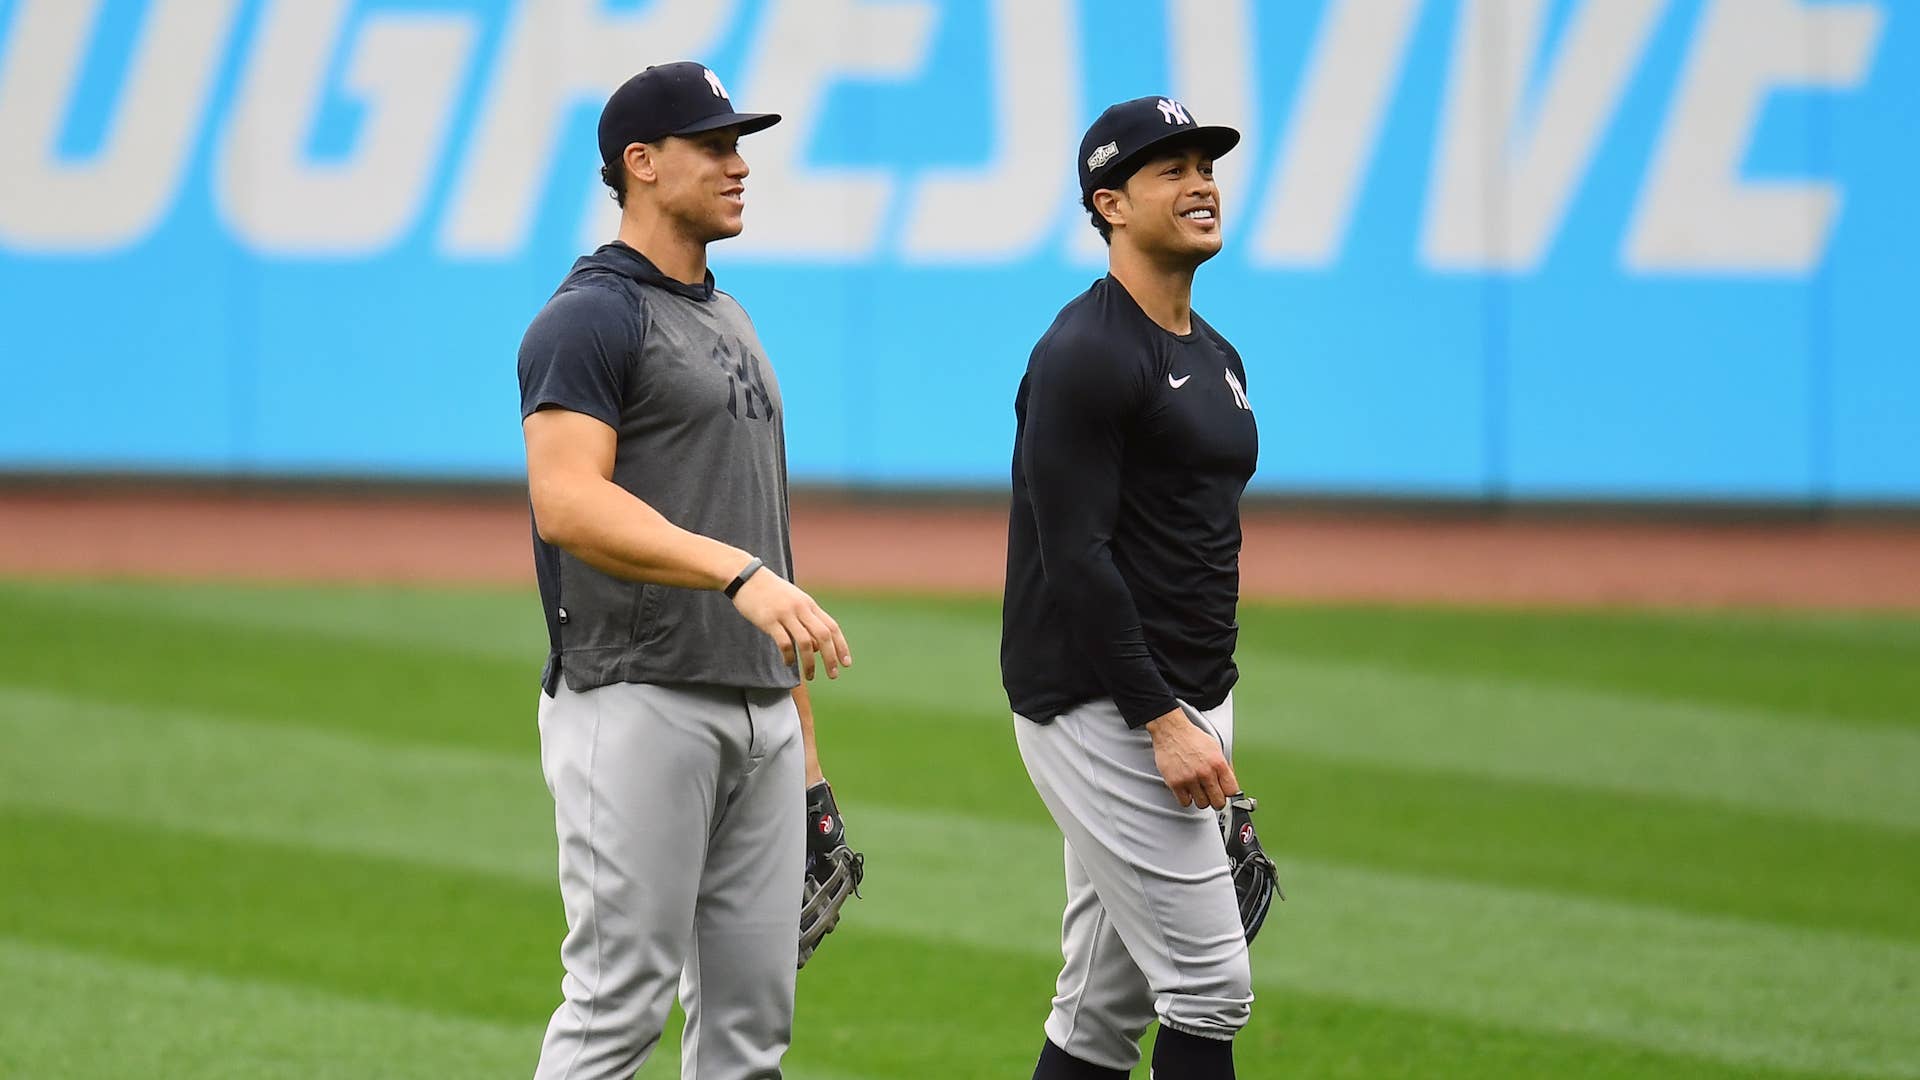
679	373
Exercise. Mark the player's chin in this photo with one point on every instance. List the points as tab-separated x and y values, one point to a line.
725	226
1203	247
1204	241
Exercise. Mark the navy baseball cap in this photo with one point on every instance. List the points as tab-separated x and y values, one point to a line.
682	98
1127	134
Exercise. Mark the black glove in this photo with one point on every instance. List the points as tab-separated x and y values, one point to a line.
1255	879
833	872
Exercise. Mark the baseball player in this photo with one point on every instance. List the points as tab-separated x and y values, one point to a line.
1134	441
675	732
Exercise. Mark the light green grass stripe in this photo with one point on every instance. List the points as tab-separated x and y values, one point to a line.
450	807
72	1014
75	1014
1750	759
491	623
1753	759
1725	989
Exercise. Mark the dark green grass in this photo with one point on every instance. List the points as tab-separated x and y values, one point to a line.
919	728
876	1004
1852	668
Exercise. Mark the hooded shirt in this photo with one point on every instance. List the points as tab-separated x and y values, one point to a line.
678	373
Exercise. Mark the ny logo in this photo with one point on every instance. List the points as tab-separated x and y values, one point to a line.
1174	112
1239	392
745	384
714	81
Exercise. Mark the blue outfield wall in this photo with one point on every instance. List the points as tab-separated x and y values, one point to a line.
1590	249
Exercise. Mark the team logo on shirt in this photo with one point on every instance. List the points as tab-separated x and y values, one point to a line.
747	396
1239	392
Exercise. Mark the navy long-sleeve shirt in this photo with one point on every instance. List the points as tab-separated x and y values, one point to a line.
1132	448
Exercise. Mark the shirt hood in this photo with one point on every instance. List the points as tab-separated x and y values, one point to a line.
618	258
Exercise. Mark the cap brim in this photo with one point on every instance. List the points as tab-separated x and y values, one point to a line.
1215	139
748	123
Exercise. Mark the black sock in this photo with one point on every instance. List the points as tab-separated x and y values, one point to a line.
1180	1056
1057	1064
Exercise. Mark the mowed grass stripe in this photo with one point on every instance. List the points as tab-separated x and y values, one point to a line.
73	1013
282	676
486	623
1294	1032
1721	988
138	1019
1510	730
878	1003
1574	738
448	807
80	1014
1851	668
1846	667
940	664
426	801
1855	667
1724	989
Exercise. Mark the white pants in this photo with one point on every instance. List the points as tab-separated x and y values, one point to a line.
1152	928
680	812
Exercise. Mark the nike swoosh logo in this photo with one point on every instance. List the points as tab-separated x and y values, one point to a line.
1179	382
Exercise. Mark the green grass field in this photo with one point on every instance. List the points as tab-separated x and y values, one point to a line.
253	832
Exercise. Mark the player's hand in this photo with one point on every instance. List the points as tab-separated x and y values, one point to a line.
795	623
1191	761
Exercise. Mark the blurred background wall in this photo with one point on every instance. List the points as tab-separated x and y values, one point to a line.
1477	249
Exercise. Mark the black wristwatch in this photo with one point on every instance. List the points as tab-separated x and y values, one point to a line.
739	579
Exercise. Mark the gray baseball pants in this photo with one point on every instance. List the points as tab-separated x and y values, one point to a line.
1152	928
678	810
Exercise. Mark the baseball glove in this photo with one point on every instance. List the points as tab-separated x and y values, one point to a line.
1256	881
833	873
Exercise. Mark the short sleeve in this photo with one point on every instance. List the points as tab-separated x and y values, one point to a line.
578	353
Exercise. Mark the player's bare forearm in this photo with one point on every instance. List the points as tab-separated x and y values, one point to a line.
803	702
578	507
610	530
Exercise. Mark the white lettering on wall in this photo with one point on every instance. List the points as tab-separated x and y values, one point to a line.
117	196
1212	44
558	55
1696	214
1334	128
1501	186
804	46
1002	211
406	68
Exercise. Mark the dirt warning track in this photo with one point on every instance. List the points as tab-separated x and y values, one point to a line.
866	543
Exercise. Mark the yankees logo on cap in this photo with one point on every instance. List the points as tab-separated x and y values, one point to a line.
1127	134
682	98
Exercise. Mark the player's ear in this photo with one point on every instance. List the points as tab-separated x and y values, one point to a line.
1110	204
640	163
